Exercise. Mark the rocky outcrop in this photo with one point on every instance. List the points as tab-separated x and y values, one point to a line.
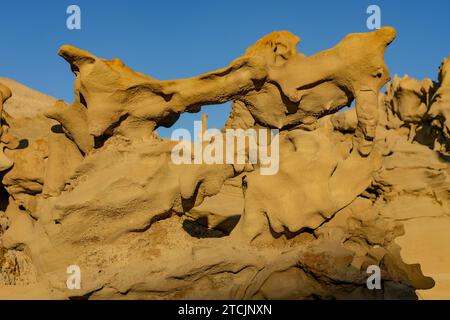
93	185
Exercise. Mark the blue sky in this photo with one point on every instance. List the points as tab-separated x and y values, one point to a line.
176	39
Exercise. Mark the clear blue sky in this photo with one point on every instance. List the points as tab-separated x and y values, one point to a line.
175	39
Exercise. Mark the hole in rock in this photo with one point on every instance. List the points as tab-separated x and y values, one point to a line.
57	128
351	106
217	116
4	199
100	141
199	228
23	144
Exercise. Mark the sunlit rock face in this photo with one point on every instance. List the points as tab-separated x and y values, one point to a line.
91	185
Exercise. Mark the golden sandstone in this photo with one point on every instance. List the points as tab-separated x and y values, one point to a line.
91	184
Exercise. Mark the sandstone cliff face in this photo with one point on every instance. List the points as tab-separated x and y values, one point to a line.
91	184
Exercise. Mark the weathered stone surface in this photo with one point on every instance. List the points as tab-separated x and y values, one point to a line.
91	184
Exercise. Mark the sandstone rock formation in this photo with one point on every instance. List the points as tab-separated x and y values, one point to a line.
5	94
122	101
408	101
92	184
